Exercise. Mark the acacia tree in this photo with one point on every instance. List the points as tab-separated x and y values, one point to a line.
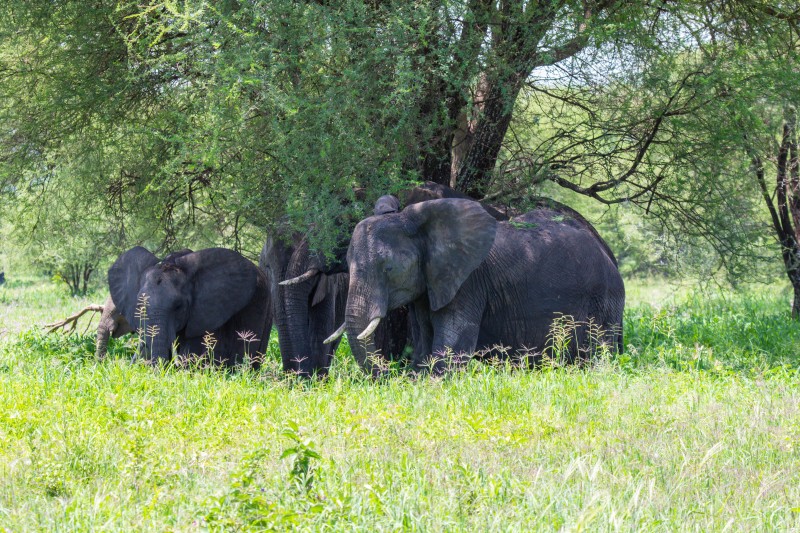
231	114
737	149
90	115
299	99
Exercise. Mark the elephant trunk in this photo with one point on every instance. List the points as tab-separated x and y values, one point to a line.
322	322
105	327
364	308
293	329
155	339
101	343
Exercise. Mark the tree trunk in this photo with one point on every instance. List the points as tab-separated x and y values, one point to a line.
784	210
475	173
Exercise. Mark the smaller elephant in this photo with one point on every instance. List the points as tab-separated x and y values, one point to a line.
212	302
112	324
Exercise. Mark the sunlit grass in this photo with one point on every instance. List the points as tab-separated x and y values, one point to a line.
695	427
29	302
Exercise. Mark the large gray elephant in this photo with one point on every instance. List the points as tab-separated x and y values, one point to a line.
209	301
309	293
307	309
308	296
475	283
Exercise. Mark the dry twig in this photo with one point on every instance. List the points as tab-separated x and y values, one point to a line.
70	322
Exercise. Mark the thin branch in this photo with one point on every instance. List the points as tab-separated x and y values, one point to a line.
69	323
759	171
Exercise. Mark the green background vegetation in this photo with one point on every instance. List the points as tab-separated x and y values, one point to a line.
695	426
196	123
670	125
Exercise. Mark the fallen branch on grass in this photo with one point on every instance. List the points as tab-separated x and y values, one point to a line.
69	323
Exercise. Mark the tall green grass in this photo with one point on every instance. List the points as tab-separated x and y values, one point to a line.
695	427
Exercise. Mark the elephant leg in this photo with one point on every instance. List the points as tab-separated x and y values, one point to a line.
421	334
245	336
608	313
455	337
191	349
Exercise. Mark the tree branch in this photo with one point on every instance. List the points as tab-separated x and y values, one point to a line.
69	323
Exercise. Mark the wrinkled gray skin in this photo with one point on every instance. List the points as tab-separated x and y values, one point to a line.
474	282
308	312
182	299
112	324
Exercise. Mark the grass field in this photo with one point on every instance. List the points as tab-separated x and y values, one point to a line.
695	427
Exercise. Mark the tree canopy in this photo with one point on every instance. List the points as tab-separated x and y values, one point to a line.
194	123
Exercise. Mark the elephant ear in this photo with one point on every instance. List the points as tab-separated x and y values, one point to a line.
324	286
223	281
386	204
125	279
457	236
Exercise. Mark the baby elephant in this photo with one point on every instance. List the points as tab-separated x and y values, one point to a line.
213	302
112	324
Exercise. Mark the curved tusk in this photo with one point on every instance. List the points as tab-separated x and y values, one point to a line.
371	327
311	272
336	334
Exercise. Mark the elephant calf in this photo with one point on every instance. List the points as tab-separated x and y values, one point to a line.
112	324
212	302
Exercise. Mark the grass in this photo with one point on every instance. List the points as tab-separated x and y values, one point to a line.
695	427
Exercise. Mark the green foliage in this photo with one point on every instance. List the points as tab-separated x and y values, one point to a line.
198	123
721	332
653	438
250	504
66	349
303	472
667	129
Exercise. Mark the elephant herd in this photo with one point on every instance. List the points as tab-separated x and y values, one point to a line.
447	275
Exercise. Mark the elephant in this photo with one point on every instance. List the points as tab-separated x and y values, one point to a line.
113	323
475	283
434	191
306	310
213	302
309	294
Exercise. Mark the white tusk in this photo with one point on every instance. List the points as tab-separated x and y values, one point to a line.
311	272
336	335
371	327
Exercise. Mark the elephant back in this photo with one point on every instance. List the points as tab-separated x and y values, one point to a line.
434	191
548	212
